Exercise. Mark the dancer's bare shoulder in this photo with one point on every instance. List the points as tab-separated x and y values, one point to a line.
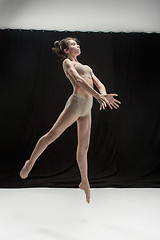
69	68
67	64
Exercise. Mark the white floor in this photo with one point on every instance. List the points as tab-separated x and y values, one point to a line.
64	214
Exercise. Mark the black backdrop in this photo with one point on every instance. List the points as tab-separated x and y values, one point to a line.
125	142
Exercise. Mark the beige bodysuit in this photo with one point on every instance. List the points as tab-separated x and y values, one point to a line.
78	103
83	70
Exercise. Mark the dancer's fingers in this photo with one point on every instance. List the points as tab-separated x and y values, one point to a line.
110	106
116	104
117	101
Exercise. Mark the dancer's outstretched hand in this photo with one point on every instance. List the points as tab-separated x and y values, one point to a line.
111	101
102	101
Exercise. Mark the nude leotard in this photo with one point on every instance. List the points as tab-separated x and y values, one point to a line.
83	70
78	103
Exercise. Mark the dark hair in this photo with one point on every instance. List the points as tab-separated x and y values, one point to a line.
59	46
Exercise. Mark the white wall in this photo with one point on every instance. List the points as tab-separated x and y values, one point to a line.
81	15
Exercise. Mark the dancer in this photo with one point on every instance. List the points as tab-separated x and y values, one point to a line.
77	108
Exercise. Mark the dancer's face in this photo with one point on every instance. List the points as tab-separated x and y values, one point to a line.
74	48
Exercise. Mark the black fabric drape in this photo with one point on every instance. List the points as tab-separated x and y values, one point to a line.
124	146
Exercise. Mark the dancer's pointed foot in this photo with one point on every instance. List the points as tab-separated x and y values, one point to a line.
86	188
26	169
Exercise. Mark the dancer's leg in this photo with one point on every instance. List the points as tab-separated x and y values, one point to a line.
64	120
83	130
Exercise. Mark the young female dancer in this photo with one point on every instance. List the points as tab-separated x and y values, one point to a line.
78	108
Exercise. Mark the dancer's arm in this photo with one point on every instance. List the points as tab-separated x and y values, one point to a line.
102	90
80	80
98	84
